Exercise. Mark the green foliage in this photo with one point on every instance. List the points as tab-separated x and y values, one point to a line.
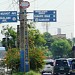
32	73
40	46
13	58
49	39
18	73
36	58
28	73
36	54
47	52
35	38
9	32
60	47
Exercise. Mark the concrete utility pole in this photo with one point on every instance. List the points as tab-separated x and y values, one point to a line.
24	59
21	17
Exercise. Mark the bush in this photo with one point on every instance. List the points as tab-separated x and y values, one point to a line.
36	59
28	73
13	59
32	73
19	73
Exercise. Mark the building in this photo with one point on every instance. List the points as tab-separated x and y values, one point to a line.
60	36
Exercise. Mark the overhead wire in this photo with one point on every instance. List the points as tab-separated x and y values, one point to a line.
13	5
36	6
4	3
47	1
14	2
60	4
56	7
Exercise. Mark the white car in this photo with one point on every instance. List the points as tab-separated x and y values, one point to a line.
8	71
4	70
47	69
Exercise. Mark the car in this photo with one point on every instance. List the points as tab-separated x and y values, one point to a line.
70	61
48	67
72	67
2	71
3	68
61	66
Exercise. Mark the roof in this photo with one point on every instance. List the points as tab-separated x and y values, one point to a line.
2	48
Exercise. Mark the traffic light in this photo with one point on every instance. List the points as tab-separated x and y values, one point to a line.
5	42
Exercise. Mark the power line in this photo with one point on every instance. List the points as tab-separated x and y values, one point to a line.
60	4
45	3
3	2
13	4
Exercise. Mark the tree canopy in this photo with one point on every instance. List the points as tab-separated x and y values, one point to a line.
60	48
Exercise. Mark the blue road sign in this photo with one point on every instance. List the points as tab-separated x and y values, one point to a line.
8	16
45	16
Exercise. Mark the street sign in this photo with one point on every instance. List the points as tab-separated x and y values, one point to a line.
45	16
8	16
24	4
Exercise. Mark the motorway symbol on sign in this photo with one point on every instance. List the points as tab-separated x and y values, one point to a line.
45	16
8	16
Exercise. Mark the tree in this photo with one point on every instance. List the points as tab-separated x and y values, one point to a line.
49	39
36	58
36	38
61	47
10	34
13	58
36	52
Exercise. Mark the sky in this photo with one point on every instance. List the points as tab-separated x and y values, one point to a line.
65	15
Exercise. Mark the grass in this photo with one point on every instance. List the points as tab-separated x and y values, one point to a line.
28	73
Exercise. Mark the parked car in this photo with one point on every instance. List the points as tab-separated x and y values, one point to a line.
48	67
61	67
72	67
3	68
70	61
